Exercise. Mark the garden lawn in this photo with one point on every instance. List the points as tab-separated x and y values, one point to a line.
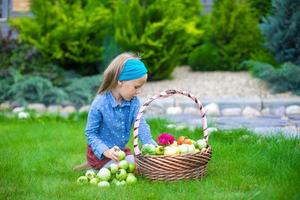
37	156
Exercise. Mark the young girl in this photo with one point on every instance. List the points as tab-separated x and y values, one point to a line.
114	110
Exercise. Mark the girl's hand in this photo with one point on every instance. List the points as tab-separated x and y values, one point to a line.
112	154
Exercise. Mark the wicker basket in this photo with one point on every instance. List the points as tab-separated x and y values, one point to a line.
175	167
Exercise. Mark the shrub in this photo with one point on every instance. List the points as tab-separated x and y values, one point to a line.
69	33
27	60
25	89
7	45
5	84
281	30
282	79
204	57
35	89
83	90
161	31
265	56
234	32
261	7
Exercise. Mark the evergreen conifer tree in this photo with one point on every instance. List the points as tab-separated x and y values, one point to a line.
282	30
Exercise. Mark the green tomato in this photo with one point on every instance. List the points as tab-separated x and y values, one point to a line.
131	179
121	155
113	168
94	181
123	164
103	184
82	180
121	174
90	173
104	174
131	167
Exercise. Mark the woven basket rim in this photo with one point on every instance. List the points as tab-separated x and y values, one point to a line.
165	94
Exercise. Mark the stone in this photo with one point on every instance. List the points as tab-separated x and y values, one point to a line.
180	127
280	111
293	110
250	112
15	104
281	102
69	109
54	108
266	111
5	106
212	109
38	107
174	110
231	111
171	126
241	102
18	109
23	115
85	109
192	110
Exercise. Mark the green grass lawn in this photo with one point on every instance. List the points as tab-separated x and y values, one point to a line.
37	157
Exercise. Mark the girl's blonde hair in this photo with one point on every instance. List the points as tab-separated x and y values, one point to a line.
112	72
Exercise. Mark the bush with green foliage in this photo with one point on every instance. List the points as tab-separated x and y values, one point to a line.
234	32
83	90
261	7
282	79
26	60
24	89
204	57
35	89
69	33
7	45
281	30
162	32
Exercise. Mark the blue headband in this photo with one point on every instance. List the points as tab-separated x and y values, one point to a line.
133	69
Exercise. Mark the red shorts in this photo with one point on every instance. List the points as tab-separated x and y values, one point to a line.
94	162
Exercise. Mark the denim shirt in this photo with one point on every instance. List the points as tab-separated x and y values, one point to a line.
109	124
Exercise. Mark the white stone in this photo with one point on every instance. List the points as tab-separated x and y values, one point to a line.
23	115
180	127
18	109
38	107
266	111
212	109
69	109
85	108
64	114
279	111
250	112
192	110
231	111
5	106
54	108
174	110
171	126
293	110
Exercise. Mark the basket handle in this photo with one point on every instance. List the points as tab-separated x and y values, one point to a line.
164	95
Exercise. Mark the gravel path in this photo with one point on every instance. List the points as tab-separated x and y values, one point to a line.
213	84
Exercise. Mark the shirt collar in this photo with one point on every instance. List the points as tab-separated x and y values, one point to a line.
114	102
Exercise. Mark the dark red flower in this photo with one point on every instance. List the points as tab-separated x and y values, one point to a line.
165	139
